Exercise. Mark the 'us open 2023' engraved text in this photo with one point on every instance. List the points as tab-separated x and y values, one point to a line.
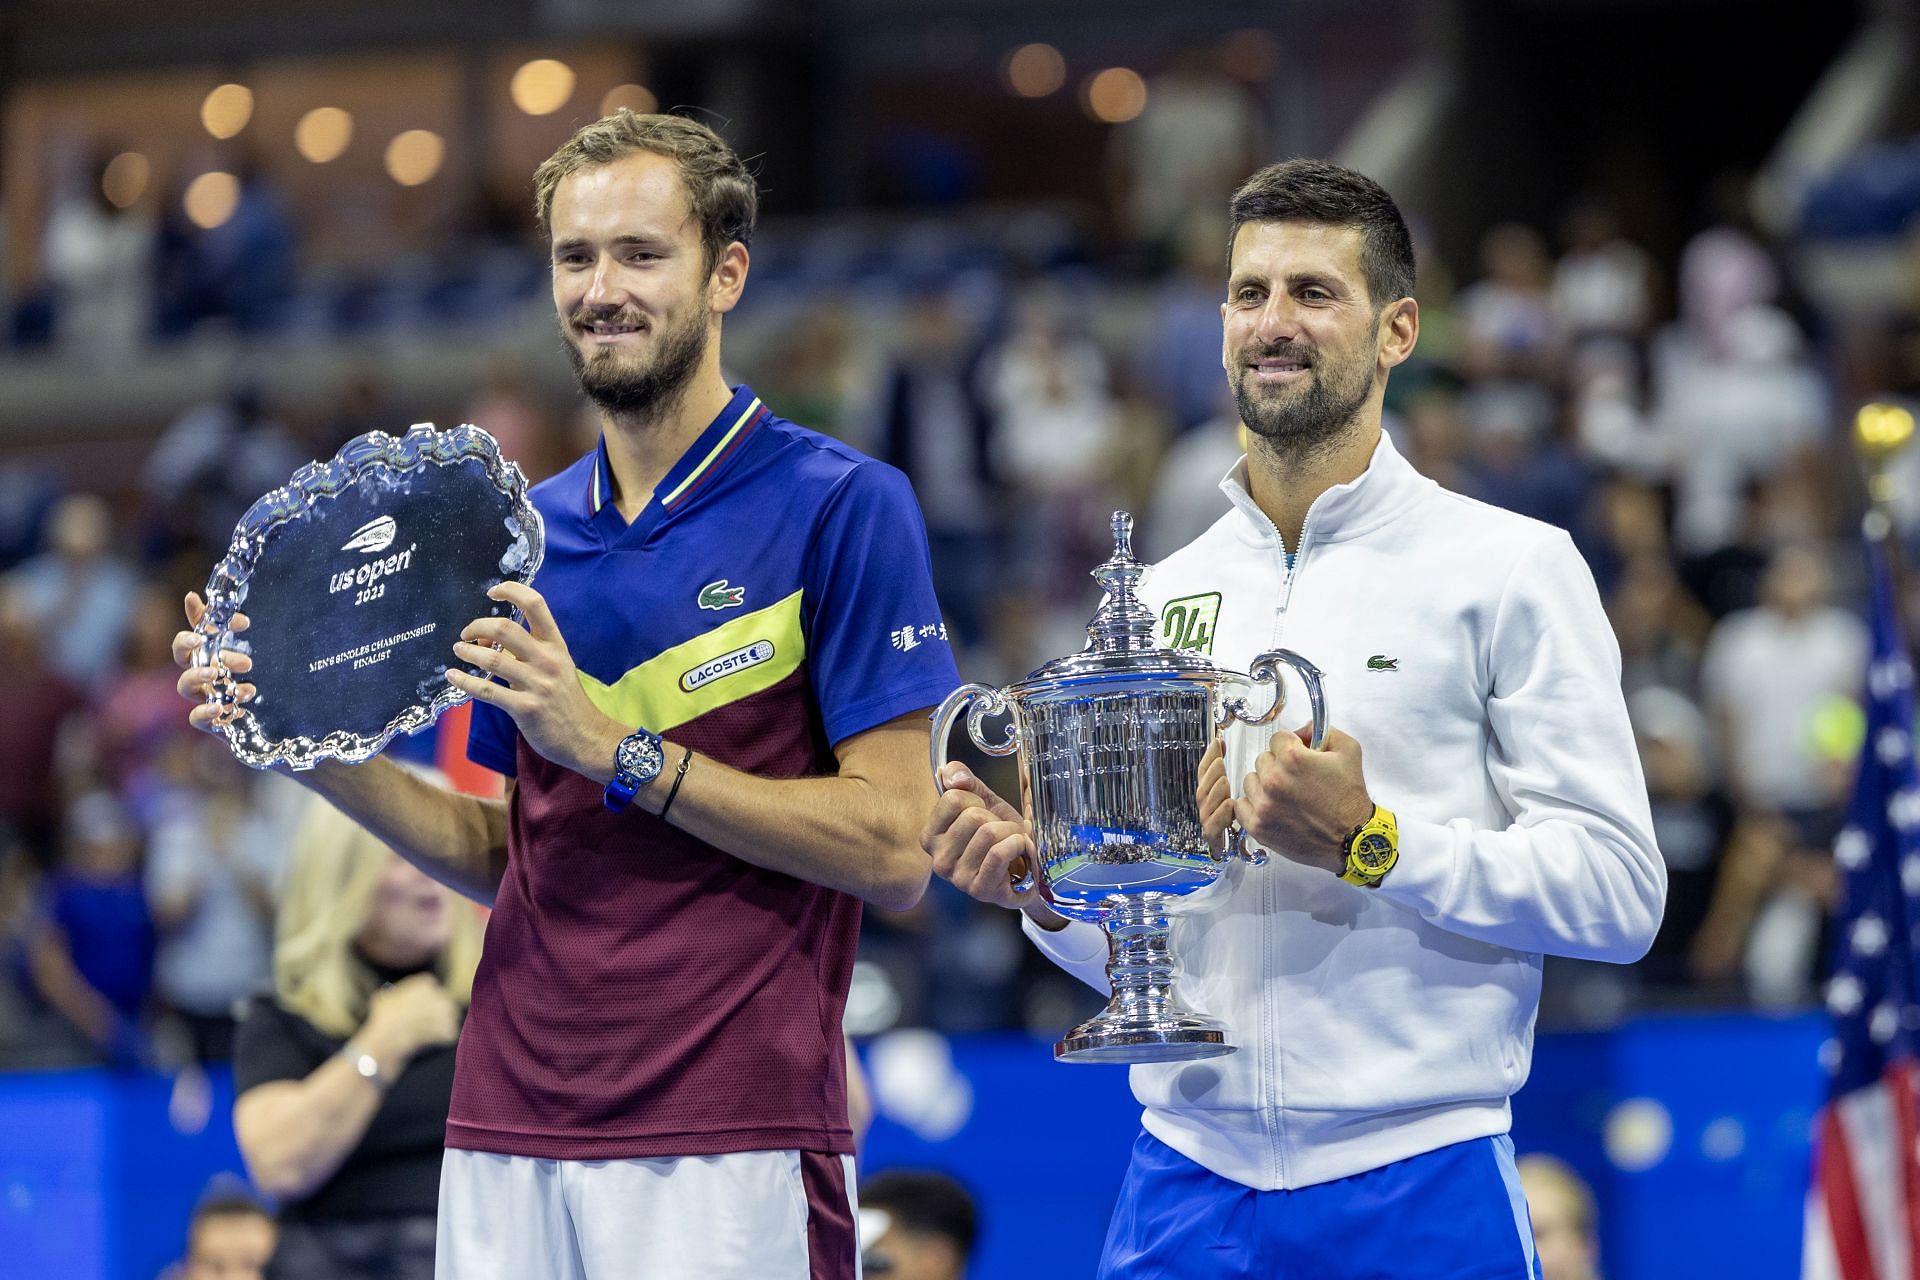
367	576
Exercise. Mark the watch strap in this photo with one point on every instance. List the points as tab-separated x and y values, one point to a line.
620	792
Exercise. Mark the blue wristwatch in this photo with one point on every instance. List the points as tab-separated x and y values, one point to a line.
636	762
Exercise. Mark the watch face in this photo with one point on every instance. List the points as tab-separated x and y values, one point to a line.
1373	851
638	756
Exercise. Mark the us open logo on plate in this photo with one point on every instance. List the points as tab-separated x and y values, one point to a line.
373	537
727	664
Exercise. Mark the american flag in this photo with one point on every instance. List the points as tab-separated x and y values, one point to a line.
1863	1207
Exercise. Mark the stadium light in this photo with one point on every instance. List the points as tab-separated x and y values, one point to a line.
1034	70
634	97
227	110
1116	95
542	87
323	134
211	199
125	178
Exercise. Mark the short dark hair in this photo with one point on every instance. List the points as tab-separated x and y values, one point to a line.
228	1197
1308	190
926	1202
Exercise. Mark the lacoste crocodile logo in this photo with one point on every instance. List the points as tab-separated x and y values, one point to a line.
1380	662
718	595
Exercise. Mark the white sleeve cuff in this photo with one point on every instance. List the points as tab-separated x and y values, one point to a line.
1077	945
1422	878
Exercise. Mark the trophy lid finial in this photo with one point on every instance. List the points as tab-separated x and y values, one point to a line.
1122	624
1124	650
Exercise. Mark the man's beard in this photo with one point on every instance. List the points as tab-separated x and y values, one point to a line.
1301	421
646	391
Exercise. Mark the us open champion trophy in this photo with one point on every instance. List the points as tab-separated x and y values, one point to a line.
357	576
1110	741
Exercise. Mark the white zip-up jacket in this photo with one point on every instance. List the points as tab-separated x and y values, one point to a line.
1466	649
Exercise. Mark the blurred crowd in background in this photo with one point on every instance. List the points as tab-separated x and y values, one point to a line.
1683	414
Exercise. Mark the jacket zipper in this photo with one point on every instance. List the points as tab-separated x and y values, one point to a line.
1272	1088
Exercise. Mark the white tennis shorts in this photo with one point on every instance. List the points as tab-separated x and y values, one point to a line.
754	1215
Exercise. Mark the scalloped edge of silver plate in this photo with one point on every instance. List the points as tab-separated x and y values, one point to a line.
422	446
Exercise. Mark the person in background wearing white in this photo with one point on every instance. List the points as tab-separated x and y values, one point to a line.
80	590
214	865
1779	683
98	259
1603	283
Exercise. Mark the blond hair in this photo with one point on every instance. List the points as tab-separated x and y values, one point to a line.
1552	1174
317	971
720	190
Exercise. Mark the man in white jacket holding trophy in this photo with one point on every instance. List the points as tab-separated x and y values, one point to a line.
1381	973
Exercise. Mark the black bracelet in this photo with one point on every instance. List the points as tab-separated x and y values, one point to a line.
679	776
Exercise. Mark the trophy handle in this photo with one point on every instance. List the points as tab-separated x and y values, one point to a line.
986	701
1265	669
991	702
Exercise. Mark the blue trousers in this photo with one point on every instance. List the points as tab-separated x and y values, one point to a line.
1451	1214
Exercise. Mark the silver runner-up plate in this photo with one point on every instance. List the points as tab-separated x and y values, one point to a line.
356	577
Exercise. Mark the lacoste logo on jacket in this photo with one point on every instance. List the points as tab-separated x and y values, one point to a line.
1380	662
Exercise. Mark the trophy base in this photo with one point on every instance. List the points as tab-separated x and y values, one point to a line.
1145	1021
1187	1039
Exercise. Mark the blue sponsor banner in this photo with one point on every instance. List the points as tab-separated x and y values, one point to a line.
1692	1129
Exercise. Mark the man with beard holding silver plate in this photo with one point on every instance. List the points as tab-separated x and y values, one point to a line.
715	716
1381	976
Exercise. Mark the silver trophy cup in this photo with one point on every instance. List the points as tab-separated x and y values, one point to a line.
1110	741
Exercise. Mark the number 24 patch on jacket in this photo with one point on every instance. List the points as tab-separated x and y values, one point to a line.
1190	621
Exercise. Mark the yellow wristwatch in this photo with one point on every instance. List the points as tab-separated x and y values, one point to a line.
1371	849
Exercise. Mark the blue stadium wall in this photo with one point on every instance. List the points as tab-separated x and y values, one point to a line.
1692	1129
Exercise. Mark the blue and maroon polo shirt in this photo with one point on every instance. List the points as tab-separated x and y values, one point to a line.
643	993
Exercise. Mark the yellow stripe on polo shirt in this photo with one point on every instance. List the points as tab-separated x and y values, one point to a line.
740	657
712	453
